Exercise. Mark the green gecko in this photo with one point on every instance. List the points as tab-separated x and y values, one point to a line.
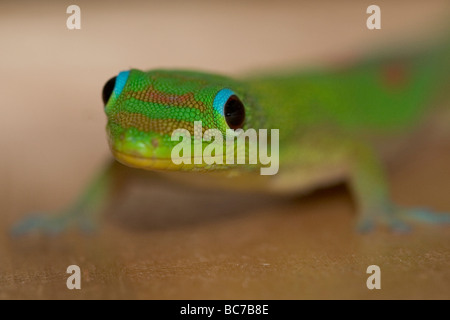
331	124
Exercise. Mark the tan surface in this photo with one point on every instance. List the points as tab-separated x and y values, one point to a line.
52	140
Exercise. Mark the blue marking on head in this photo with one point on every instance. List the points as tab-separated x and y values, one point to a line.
120	82
221	98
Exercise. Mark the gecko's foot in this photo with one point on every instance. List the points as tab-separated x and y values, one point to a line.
426	216
366	225
52	224
400	219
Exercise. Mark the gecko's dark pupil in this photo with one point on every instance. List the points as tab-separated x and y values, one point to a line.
234	112
108	89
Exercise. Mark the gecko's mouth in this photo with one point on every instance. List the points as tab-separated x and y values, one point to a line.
152	163
136	150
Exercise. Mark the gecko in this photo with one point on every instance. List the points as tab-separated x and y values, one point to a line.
334	123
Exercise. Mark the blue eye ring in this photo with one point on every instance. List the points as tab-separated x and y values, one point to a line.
221	99
227	104
114	86
121	79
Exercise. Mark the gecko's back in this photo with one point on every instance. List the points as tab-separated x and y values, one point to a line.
380	96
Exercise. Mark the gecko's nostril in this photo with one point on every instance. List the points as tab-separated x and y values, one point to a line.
108	89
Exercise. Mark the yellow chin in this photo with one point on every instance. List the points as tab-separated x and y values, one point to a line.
150	163
140	162
209	174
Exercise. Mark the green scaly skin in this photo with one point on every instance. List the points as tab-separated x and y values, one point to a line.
328	122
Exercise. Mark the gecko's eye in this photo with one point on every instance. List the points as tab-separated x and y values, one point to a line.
228	104
234	112
108	89
114	86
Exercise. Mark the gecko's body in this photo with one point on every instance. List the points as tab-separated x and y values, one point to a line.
329	122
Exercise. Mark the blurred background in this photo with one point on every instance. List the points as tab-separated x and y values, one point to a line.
52	140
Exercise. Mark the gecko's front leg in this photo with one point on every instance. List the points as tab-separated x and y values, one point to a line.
370	188
325	158
84	213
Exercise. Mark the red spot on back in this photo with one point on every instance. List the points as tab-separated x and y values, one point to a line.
395	74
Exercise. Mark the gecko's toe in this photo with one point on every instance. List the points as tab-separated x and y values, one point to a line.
427	216
365	225
35	222
399	226
52	224
399	219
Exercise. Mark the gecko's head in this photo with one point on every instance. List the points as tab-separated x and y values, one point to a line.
145	108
